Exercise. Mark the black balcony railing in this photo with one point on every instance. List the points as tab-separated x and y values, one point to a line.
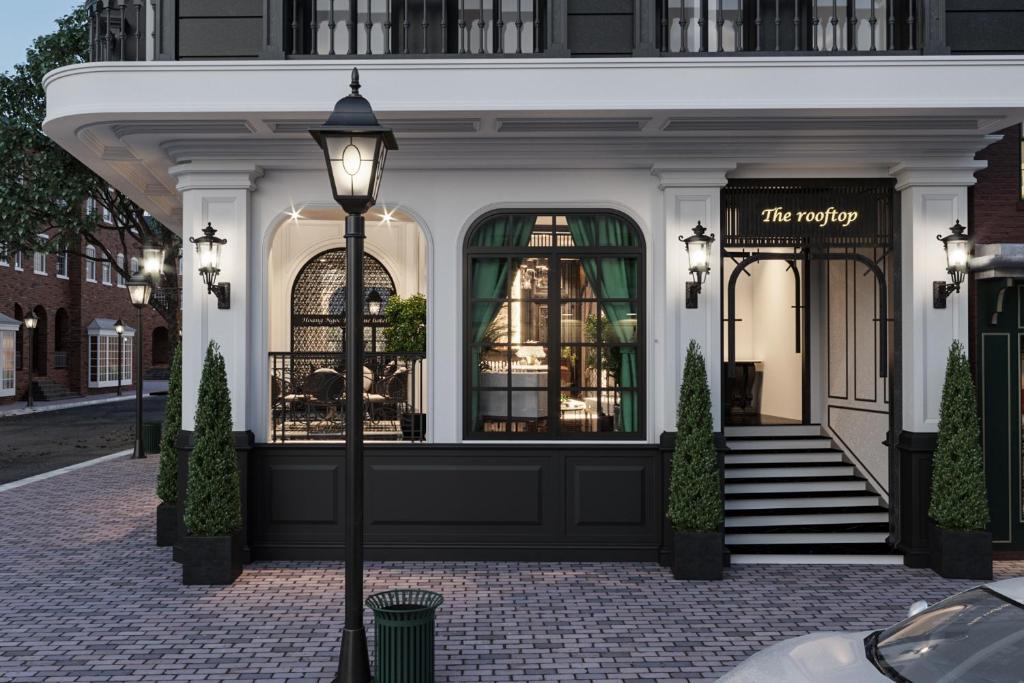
117	30
307	397
791	26
336	29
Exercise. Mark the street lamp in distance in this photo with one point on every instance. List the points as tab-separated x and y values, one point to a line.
140	291
31	320
119	328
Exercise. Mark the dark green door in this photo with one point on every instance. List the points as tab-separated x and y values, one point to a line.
1000	342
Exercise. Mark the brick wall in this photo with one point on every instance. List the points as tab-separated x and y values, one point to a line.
996	211
81	302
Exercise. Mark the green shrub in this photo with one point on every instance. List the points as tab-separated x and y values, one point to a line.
167	479
959	499
407	324
212	500
695	491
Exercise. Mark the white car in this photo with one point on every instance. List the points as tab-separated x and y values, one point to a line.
972	637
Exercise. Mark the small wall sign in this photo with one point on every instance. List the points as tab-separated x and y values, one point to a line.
826	218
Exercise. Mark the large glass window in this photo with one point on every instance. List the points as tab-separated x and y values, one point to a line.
7	362
103	360
554	326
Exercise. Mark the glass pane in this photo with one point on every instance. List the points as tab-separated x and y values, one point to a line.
530	279
575	282
490	367
589	365
570	367
529	360
617	278
505	231
490	411
571	321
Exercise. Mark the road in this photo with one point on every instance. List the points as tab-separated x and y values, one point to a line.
37	443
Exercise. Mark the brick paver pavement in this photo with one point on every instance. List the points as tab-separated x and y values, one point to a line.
86	596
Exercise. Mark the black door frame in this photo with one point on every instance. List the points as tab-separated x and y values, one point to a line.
803	312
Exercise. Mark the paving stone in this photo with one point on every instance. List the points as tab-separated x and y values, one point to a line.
86	596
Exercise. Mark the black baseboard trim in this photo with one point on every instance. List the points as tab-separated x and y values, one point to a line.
915	451
409	553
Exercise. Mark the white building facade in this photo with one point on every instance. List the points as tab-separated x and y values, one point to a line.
573	180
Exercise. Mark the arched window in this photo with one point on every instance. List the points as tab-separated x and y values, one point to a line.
134	266
90	263
120	270
554	326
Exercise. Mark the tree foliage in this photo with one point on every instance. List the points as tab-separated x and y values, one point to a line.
44	190
407	324
167	479
212	498
695	488
959	499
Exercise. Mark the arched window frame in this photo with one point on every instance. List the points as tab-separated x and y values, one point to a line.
120	270
90	263
554	252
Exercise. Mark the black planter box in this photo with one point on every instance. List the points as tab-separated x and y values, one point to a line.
211	560
698	555
961	554
166	524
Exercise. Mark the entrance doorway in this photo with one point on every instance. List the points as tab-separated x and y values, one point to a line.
808	301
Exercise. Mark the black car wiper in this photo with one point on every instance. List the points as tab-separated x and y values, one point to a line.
878	661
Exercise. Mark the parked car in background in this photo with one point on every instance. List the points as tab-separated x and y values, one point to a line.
976	636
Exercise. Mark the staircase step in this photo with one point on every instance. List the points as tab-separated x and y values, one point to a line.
772	430
807	519
789	472
771	444
766	558
783	458
810	502
853	484
807	538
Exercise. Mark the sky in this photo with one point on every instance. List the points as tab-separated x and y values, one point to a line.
23	22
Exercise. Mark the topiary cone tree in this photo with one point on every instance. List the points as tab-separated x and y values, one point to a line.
959	497
167	478
212	500
695	506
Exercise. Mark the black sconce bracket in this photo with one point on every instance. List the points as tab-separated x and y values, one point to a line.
941	291
223	293
692	290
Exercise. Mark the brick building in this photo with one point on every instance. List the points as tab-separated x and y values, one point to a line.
73	350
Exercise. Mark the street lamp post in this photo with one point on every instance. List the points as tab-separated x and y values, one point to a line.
119	328
31	320
354	146
140	289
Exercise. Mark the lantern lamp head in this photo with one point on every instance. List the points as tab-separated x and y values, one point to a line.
31	320
208	254
119	327
152	259
355	146
957	247
140	290
374	303
698	250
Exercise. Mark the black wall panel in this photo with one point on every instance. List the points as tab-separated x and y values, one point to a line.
985	25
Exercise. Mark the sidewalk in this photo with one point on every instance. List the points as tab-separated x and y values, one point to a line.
149	387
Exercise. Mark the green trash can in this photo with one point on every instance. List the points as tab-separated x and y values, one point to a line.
151	437
403	622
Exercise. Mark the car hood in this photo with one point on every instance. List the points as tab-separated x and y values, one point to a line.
815	658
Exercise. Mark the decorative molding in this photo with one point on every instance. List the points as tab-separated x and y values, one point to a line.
953	172
709	172
201	175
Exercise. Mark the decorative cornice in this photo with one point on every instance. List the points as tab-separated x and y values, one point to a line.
954	172
694	173
224	175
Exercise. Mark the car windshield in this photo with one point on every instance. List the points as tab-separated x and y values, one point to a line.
975	636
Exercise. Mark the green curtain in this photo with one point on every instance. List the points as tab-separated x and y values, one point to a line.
614	278
489	277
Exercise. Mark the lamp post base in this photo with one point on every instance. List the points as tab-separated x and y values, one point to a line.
140	451
354	666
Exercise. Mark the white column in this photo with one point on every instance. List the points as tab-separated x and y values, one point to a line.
692	193
217	193
933	196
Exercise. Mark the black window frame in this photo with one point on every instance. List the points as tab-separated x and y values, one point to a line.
554	254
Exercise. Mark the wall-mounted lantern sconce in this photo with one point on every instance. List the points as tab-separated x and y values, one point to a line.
373	302
698	249
152	260
958	251
208	249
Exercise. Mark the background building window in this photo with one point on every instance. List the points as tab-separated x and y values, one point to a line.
555	322
134	266
120	270
17	260
63	262
4	258
39	258
103	359
105	271
90	264
8	346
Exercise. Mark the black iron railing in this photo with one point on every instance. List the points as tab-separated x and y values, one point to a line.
307	396
408	27
789	26
117	30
